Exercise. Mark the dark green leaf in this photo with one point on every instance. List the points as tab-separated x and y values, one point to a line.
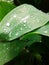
5	8
9	50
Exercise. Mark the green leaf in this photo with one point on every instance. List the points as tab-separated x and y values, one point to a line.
31	38
9	50
43	30
5	8
21	20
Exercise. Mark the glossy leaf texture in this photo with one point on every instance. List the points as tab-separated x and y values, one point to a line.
21	20
9	50
44	30
5	8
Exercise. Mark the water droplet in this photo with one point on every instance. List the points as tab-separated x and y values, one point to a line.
8	24
7	48
27	51
21	29
14	16
40	41
5	30
45	31
8	1
16	34
24	25
25	19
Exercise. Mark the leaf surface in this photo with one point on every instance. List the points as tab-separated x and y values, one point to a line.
9	50
21	20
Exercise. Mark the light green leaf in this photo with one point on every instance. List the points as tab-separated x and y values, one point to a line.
43	30
5	8
21	20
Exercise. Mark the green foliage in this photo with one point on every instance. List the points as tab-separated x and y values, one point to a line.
20	23
20	27
5	8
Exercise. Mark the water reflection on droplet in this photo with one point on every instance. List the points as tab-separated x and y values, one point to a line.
25	19
8	1
5	30
8	24
16	34
45	31
7	48
14	16
21	28
24	24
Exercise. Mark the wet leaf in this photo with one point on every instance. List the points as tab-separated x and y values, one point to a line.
9	50
21	20
43	30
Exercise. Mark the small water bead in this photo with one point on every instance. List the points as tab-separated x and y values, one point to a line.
8	1
23	9
27	50
45	31
14	16
40	41
5	30
24	24
7	48
25	19
8	24
17	34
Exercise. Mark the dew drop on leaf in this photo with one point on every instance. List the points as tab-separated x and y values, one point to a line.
5	29
45	31
8	24
16	34
14	16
